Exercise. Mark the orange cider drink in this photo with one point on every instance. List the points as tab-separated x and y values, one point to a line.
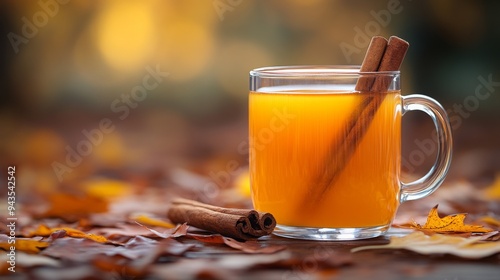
292	134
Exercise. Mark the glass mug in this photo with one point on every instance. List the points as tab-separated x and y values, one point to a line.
325	159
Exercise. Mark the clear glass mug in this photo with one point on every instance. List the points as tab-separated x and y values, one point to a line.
325	159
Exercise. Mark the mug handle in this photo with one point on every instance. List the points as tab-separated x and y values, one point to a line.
432	180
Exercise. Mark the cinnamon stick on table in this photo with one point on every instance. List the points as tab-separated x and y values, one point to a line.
380	56
241	224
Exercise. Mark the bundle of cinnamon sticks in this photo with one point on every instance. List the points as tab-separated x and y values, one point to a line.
240	224
382	55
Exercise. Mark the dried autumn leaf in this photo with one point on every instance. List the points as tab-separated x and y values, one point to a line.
325	258
78	249
43	230
490	221
251	246
493	191
491	236
178	231
117	266
166	246
145	220
192	269
448	224
80	234
230	267
106	188
25	245
124	230
69	206
471	248
29	260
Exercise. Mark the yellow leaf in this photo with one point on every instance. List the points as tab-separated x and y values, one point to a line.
448	224
493	191
471	247
70	206
25	245
143	219
43	230
106	188
80	234
491	221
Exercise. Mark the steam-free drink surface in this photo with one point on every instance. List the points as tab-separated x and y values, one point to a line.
293	137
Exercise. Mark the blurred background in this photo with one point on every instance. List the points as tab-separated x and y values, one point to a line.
68	65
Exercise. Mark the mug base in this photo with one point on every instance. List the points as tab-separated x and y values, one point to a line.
329	234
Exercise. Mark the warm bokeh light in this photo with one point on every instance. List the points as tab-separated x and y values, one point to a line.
111	151
186	48
126	34
234	59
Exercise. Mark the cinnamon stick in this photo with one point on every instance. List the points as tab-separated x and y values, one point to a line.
380	56
240	224
371	62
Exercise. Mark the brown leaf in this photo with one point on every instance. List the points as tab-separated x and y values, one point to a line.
249	261
166	246
146	220
491	236
179	230
118	266
81	250
322	258
471	248
251	247
76	249
126	230
212	238
193	269
56	235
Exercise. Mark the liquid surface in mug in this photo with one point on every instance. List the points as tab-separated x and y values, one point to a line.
292	135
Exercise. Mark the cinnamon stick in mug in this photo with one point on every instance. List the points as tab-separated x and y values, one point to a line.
371	62
381	56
